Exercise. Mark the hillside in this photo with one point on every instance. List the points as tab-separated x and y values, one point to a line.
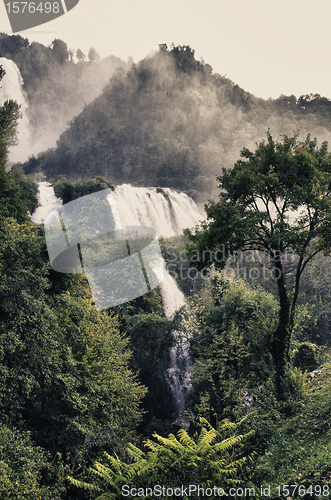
170	121
298	452
56	88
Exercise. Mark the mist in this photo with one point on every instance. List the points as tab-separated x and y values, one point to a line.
168	120
53	86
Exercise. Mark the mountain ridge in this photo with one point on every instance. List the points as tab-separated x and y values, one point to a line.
170	121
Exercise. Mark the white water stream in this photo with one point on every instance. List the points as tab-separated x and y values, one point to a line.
47	202
168	212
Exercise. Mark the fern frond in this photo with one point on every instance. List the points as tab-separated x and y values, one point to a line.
226	425
171	441
134	452
227	443
137	469
204	422
205	441
103	472
185	439
82	484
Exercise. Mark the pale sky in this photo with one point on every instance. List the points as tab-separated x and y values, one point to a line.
267	47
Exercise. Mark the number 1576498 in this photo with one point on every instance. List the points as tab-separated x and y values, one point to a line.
289	490
33	7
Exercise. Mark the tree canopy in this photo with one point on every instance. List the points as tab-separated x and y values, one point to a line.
9	116
275	200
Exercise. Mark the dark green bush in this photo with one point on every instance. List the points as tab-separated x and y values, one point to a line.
307	356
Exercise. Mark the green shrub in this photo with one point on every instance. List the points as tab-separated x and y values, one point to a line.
307	356
23	468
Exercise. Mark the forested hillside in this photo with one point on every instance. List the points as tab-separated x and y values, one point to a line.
170	121
86	408
69	380
58	82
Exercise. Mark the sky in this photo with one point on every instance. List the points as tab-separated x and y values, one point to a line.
269	48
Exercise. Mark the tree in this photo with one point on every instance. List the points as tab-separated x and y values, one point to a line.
60	50
186	62
64	370
24	467
150	341
80	55
277	201
69	191
9	116
101	403
230	345
18	194
93	55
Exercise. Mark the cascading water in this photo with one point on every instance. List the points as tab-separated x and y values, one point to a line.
47	202
11	88
166	211
178	375
169	213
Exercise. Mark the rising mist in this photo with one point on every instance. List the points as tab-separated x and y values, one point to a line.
166	121
56	85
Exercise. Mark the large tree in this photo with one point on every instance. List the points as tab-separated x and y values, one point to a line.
275	200
9	116
64	370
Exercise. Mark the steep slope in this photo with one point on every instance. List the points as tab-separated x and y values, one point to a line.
171	122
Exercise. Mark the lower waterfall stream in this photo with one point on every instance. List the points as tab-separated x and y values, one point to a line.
178	375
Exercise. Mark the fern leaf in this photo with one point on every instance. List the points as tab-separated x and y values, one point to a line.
82	484
185	439
227	443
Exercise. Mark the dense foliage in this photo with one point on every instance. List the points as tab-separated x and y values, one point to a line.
275	200
67	391
77	385
207	459
69	191
231	346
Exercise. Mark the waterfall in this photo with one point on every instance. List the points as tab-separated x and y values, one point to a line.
47	202
165	210
178	375
172	298
11	88
169	213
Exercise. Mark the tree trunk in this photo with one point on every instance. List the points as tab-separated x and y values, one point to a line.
281	341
